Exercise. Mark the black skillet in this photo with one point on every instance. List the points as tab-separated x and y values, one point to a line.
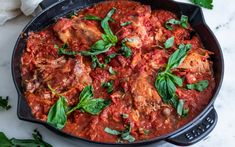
189	134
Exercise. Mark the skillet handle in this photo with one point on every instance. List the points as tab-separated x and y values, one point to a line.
197	131
47	3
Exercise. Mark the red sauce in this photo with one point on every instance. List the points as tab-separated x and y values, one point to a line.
134	92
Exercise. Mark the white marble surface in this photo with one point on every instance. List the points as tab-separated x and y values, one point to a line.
222	16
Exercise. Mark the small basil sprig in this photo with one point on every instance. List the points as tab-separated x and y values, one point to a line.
204	3
37	141
63	50
200	86
124	135
108	38
57	114
4	103
109	86
125	50
126	23
183	22
169	42
89	104
166	81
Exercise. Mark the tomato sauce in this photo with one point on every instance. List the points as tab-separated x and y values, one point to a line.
133	88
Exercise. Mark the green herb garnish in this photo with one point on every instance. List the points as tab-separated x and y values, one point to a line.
169	42
125	50
200	86
108	86
111	71
110	57
108	38
37	141
4	103
181	110
183	22
204	3
166	81
57	114
95	61
124	135
63	50
88	103
92	17
126	23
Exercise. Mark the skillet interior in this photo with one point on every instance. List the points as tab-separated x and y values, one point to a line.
49	16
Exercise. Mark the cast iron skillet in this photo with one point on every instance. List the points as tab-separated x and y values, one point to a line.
189	134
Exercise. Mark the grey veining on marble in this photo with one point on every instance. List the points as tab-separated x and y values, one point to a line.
222	22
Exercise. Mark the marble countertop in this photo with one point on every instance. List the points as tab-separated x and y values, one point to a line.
222	22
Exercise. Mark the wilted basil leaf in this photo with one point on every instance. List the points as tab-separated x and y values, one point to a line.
126	23
108	85
183	22
57	114
169	42
181	110
200	86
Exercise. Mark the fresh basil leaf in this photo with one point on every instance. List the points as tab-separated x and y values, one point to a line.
177	80
200	86
178	56
4	103
204	3
125	50
89	104
180	108
126	23
109	86
106	28
111	131
165	87
111	71
92	17
169	42
183	22
63	50
4	141
95	106
57	115
110	57
170	23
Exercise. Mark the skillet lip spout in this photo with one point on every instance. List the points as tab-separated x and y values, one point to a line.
24	112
